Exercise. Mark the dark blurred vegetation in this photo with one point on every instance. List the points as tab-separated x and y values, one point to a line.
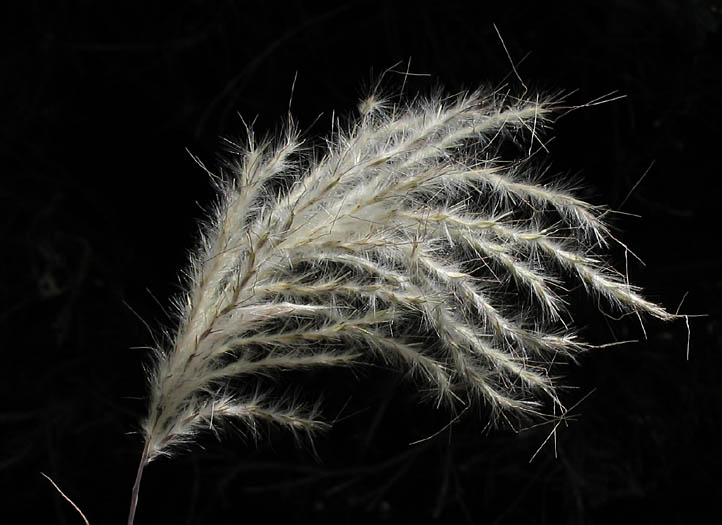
99	205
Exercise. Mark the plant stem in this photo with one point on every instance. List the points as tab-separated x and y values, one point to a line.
136	485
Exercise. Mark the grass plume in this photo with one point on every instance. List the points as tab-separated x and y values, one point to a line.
409	241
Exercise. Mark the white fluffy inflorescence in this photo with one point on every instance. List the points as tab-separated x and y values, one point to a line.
408	241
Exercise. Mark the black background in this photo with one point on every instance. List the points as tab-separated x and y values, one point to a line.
100	202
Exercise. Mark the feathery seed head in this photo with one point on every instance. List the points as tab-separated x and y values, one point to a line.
408	242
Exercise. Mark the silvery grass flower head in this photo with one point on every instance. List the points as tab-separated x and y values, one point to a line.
408	241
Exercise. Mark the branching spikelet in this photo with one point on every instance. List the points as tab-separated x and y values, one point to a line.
408	242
